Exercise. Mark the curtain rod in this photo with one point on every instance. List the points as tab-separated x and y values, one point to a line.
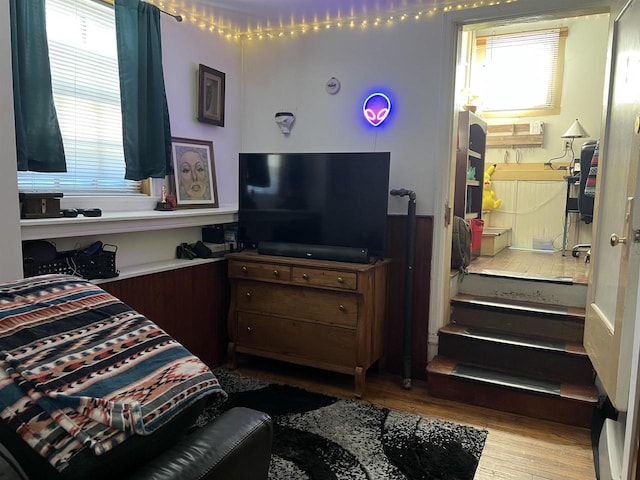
177	17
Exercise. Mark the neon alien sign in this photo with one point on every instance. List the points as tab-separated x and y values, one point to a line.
376	108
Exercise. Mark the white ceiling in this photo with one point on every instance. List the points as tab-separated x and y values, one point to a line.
242	16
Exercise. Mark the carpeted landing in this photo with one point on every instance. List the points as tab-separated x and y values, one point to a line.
317	437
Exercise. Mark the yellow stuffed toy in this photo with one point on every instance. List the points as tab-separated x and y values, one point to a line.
489	202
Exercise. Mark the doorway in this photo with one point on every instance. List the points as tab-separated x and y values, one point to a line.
530	179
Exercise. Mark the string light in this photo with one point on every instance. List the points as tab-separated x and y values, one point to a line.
226	29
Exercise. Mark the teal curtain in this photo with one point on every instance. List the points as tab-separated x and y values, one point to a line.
38	138
145	115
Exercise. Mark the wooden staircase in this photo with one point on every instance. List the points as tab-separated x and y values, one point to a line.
505	351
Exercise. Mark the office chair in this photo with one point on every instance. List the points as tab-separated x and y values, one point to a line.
585	202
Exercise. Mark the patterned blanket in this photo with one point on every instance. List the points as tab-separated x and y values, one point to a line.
80	369
590	184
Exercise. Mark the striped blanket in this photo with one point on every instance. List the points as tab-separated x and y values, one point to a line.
590	184
80	369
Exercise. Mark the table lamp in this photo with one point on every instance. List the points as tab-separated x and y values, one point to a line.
575	131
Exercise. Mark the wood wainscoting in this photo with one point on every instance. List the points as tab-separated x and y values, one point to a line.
190	304
396	247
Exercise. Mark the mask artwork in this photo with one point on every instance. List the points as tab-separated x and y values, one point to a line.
284	121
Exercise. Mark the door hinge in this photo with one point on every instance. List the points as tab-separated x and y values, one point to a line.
447	214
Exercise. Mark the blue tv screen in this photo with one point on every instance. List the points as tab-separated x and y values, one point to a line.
330	199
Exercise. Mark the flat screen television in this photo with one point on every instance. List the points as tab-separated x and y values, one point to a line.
319	199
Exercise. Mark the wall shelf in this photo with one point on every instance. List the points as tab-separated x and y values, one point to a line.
157	267
515	135
123	222
472	135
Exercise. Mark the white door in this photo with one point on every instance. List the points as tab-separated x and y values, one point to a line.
613	289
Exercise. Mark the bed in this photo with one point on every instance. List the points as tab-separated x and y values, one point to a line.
85	380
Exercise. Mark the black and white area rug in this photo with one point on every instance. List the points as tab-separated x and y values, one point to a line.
317	437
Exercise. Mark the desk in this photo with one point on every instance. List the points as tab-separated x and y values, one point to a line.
570	206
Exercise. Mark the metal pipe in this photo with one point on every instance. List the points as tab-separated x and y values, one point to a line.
110	3
408	285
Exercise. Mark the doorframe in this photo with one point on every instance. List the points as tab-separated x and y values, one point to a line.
452	24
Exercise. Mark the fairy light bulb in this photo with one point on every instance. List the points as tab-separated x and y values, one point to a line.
206	21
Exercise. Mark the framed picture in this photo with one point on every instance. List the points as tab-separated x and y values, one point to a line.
194	173
211	96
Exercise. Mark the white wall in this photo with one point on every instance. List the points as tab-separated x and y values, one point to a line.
290	74
184	47
10	258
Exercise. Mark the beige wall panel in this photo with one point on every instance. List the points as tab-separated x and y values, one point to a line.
504	216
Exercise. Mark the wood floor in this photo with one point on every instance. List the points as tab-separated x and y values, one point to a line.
517	448
535	263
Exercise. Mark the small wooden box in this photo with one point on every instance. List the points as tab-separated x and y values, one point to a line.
494	240
39	204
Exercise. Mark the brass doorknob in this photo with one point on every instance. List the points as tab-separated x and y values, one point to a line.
248	329
342	308
305	276
244	269
276	273
248	294
615	240
340	280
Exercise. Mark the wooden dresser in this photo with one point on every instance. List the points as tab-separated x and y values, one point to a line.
318	313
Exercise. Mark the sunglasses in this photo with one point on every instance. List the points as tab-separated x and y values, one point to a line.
74	212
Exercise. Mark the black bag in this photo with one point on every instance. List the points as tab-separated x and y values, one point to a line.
460	244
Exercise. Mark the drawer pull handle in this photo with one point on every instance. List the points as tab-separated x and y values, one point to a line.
340	280
248	329
248	294
244	270
342	308
276	273
305	276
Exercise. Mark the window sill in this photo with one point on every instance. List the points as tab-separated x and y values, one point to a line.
123	222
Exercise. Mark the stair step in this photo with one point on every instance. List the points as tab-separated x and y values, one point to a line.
568	403
531	277
526	287
541	358
562	323
520	305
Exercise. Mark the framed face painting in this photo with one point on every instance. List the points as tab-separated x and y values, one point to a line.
211	85
194	173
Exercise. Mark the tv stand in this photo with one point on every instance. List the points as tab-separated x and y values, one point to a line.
318	313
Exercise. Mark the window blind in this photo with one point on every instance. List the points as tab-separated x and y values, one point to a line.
86	92
520	71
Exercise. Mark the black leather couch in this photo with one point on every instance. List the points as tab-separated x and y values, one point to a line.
234	446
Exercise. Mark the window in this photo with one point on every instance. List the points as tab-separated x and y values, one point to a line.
86	91
520	73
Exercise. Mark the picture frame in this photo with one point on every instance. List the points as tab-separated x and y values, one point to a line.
194	173
211	93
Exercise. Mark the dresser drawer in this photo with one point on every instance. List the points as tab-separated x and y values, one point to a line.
259	271
325	278
297	338
291	301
